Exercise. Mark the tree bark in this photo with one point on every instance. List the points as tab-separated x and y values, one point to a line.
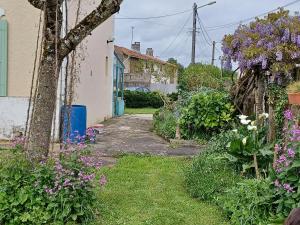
272	124
45	100
55	50
259	93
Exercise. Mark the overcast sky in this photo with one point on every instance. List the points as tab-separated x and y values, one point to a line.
164	36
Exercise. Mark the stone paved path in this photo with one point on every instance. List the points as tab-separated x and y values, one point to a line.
132	134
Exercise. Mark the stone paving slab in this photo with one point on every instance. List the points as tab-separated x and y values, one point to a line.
132	134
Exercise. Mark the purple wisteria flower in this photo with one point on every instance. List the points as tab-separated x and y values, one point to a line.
279	56
288	115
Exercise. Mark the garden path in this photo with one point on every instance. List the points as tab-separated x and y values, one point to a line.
132	134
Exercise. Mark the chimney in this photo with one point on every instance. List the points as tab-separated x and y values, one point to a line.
149	51
136	46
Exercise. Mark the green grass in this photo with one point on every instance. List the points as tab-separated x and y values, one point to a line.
140	110
150	191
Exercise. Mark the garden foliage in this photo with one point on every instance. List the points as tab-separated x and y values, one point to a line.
248	203
56	191
249	149
201	75
137	99
209	176
165	123
206	113
286	168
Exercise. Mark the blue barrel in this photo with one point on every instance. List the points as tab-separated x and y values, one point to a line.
78	118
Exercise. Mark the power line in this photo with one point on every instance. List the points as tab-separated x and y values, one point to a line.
250	18
153	17
180	31
204	33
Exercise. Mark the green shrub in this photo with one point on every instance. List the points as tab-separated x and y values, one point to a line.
137	99
209	176
206	113
53	192
200	75
164	123
248	203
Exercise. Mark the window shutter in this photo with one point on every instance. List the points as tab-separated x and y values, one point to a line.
3	57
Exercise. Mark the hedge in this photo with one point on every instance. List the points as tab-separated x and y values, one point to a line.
137	99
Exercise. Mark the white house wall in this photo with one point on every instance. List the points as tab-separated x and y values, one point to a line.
13	114
95	86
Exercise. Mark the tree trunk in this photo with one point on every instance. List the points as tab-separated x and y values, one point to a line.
45	100
55	49
259	93
272	124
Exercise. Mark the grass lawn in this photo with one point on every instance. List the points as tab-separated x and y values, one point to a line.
140	111
149	191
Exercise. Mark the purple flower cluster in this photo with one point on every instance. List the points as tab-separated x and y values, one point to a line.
91	135
287	187
18	142
90	161
264	43
287	154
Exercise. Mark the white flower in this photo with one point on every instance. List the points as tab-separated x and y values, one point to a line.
235	130
243	117
250	127
245	122
244	141
253	123
263	115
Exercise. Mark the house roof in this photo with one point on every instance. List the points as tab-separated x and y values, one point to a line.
131	53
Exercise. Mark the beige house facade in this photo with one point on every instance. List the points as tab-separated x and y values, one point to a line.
94	86
147	71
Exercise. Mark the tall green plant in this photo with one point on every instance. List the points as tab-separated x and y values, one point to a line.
248	148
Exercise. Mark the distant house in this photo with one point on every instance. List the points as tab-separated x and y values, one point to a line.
18	35
145	70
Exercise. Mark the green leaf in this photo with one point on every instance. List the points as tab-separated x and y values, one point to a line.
25	217
296	164
74	217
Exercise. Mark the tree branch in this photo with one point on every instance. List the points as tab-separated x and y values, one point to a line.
37	3
105	10
40	3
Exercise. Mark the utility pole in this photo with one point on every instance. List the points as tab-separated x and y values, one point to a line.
222	63
213	53
194	34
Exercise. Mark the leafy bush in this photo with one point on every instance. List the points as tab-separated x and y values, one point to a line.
137	99
200	75
206	113
58	191
165	123
209	176
248	203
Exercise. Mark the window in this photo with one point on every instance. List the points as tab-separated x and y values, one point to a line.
3	57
